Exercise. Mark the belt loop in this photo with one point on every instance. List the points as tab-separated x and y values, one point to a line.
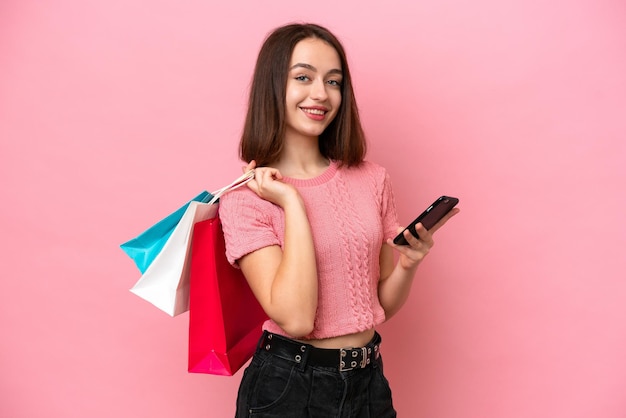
364	357
303	357
262	340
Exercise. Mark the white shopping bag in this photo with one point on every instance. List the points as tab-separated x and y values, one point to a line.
165	283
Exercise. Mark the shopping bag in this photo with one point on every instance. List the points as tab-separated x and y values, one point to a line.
144	248
225	319
165	282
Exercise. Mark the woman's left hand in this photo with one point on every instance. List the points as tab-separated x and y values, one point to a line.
413	254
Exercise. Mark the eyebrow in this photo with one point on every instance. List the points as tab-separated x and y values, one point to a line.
312	68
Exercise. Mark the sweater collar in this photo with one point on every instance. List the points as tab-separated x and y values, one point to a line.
328	174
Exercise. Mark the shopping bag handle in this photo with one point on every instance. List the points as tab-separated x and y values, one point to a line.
232	186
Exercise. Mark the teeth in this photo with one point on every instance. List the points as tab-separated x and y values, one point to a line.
314	111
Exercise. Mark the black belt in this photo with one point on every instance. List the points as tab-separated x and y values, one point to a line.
343	359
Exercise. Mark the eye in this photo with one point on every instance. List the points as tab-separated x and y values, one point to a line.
334	83
302	78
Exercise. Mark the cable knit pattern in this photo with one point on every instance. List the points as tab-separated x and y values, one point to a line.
351	212
355	253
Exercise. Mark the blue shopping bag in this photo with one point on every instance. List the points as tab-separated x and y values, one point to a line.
162	251
144	248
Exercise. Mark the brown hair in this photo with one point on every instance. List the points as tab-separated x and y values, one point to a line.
262	138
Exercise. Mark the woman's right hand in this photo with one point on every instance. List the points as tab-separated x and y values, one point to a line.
267	185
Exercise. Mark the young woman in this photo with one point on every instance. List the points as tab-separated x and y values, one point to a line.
312	234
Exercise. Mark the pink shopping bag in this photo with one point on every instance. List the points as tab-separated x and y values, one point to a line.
225	319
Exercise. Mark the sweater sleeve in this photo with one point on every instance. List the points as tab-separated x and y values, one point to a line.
247	223
389	213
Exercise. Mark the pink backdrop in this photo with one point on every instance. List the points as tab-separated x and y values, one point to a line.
113	113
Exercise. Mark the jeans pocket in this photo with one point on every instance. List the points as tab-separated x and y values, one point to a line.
271	387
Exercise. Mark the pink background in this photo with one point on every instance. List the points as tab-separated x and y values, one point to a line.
114	113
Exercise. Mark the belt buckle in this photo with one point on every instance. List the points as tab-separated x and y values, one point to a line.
342	363
364	357
344	366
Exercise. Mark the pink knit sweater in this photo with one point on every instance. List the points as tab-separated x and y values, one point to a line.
351	212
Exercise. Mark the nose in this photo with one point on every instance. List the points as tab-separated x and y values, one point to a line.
318	90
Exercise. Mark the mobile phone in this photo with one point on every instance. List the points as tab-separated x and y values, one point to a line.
429	217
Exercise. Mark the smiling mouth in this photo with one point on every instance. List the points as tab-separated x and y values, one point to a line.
318	112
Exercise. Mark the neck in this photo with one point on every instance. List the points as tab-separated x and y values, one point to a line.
302	160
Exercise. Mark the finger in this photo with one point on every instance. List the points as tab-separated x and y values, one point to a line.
252	184
264	176
270	174
273	173
425	235
258	178
408	236
404	249
248	167
415	252
411	239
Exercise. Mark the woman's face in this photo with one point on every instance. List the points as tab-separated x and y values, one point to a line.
313	94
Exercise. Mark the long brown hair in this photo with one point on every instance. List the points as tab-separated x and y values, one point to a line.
262	138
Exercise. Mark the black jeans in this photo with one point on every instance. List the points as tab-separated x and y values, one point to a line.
279	387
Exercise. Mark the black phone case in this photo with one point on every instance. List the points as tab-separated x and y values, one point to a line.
429	217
